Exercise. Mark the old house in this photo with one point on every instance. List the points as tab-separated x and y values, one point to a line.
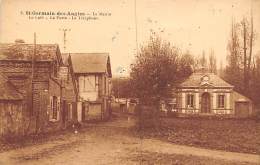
206	93
48	96
93	75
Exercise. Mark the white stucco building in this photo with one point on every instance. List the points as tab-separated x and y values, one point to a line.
93	75
206	93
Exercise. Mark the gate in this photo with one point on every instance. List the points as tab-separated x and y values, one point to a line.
39	110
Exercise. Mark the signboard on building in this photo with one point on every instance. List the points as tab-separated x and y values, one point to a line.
63	72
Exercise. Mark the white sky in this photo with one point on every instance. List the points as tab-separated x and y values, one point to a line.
193	25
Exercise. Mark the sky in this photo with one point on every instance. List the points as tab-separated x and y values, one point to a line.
193	25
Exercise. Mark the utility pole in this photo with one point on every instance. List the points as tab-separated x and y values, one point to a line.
137	51
33	56
62	102
65	30
34	111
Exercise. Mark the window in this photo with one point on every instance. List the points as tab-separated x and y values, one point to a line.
190	100
90	83
105	85
221	101
96	82
70	111
54	109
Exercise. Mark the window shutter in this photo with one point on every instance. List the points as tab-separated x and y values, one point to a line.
51	108
187	100
193	101
100	85
224	101
58	108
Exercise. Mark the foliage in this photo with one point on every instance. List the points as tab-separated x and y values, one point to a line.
234	71
242	69
157	67
121	87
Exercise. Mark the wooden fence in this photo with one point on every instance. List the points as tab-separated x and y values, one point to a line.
11	118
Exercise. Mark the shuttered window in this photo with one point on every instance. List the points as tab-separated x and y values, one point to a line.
221	101
190	100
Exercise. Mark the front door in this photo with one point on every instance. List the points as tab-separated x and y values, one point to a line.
83	111
205	103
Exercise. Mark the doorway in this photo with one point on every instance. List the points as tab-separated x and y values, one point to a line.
205	103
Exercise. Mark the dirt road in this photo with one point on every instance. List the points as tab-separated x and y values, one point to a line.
112	143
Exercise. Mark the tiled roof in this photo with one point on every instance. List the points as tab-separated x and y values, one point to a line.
7	90
23	51
91	62
195	80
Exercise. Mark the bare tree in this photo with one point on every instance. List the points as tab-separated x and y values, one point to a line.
240	55
248	39
233	70
212	62
203	60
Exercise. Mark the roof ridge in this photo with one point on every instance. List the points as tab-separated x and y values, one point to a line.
89	53
27	44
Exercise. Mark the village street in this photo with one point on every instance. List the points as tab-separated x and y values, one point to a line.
112	143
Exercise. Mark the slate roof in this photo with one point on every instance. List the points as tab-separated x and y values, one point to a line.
195	80
7	90
24	51
91	63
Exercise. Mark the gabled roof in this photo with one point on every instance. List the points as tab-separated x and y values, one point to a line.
7	90
23	51
66	58
195	80
91	63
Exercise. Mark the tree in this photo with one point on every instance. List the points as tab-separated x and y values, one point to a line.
157	67
121	87
221	70
239	71
185	64
255	83
234	69
248	40
212	62
203	60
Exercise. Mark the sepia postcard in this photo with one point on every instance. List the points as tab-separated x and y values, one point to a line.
126	82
